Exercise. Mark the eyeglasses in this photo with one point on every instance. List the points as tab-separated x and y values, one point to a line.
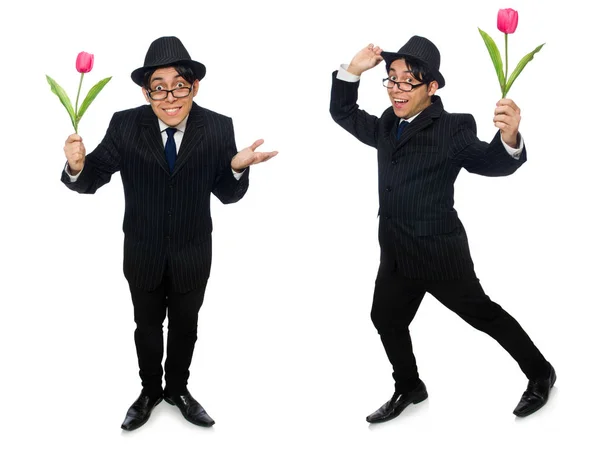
402	85
162	94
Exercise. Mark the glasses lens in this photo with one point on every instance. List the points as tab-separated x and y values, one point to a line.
181	92
158	95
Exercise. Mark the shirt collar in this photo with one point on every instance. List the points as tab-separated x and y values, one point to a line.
181	127
410	119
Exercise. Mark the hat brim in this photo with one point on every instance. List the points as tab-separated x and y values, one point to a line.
390	57
199	70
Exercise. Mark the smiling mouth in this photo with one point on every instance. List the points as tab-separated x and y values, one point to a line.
171	111
398	102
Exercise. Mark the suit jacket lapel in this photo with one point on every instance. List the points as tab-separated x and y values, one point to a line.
192	137
422	121
151	136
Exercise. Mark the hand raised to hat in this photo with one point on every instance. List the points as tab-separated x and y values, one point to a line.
248	157
366	59
507	117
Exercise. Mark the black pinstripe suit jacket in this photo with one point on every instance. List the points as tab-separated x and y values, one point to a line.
419	230
167	216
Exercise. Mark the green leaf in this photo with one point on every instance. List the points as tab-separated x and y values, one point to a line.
64	99
91	95
513	76
495	55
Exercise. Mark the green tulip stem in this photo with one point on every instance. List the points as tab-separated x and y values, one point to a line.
505	62
77	101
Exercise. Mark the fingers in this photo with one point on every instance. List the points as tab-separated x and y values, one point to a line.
507	117
375	49
508	107
73	138
507	112
256	144
375	53
509	103
74	151
249	157
263	156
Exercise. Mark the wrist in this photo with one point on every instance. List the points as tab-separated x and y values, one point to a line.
354	70
73	172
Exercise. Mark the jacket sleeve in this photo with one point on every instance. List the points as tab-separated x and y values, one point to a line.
479	157
346	113
100	164
226	188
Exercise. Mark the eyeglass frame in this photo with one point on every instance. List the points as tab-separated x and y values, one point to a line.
171	91
387	81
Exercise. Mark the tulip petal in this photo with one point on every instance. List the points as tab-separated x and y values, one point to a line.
495	55
91	95
64	99
519	68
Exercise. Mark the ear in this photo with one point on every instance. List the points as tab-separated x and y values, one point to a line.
432	88
145	93
195	87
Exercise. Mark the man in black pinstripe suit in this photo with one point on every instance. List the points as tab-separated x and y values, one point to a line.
171	155
420	150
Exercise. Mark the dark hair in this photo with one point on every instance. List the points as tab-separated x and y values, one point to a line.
182	69
419	69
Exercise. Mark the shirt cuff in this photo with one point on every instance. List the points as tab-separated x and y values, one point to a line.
237	175
72	178
344	75
514	152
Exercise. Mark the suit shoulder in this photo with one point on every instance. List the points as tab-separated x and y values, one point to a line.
212	115
459	120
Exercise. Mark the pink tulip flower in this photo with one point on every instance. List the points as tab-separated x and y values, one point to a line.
507	20
85	61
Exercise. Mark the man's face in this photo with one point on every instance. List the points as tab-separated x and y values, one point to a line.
407	104
171	110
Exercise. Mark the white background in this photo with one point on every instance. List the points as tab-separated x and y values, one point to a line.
287	357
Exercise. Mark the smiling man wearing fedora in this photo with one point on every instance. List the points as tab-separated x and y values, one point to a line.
171	154
420	151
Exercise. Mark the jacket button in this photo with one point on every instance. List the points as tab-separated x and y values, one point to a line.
388	189
394	161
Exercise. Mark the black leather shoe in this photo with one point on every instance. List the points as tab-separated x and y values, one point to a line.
139	413
398	403
536	395
190	408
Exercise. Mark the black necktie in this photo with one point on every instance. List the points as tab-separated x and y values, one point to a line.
401	126
171	148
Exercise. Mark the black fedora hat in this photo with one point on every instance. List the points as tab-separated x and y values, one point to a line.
421	49
167	51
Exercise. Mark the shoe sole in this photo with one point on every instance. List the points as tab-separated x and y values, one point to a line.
422	397
528	413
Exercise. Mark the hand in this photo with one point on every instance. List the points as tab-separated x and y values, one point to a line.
75	153
248	157
364	60
507	117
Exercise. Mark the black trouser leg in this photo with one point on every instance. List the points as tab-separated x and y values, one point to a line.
395	303
467	299
183	326
149	310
